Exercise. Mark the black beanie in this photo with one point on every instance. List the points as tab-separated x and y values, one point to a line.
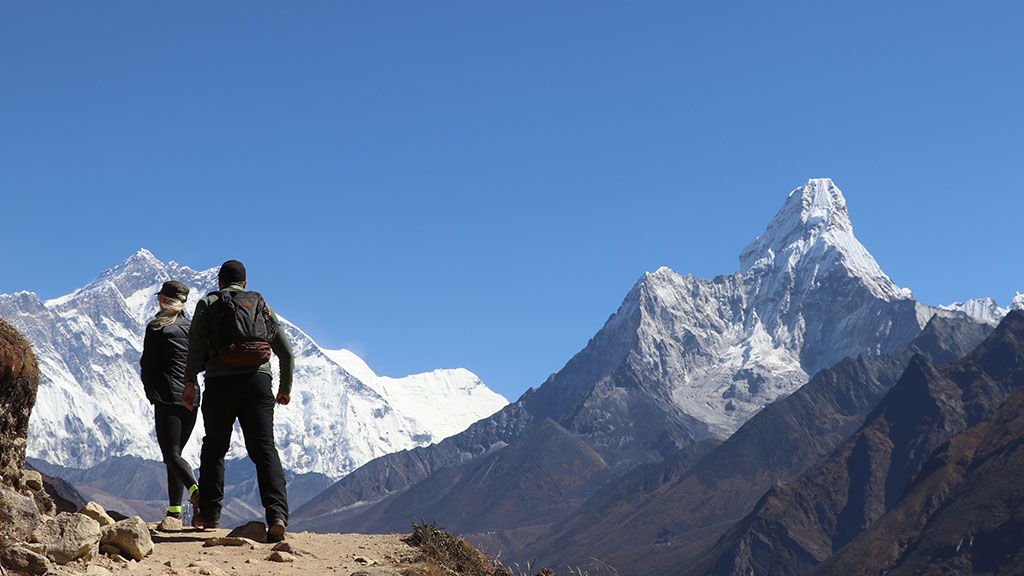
174	289
232	272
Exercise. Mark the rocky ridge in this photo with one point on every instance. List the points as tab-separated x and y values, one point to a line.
960	515
796	526
34	536
660	514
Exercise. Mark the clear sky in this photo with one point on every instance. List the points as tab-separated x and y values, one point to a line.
440	184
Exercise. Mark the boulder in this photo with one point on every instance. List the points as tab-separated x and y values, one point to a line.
97	513
18	517
32	479
24	561
68	537
130	536
31	482
44	502
19	379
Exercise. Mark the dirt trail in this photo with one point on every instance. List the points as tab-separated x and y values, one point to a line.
184	553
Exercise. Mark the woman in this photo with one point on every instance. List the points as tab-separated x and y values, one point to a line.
164	352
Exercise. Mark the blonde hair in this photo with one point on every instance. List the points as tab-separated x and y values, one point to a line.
170	309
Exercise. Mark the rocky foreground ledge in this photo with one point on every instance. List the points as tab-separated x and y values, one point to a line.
42	533
91	543
75	544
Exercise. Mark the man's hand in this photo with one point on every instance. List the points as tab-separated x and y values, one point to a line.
284	399
188	395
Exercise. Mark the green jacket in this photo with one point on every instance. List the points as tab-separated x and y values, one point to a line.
202	357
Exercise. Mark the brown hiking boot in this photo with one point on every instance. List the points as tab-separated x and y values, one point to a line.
276	532
197	517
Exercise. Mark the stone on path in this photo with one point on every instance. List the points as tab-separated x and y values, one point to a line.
131	536
291	549
253	530
229	541
207	568
278	556
170	524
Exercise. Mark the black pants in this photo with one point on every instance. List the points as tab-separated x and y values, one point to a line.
249	399
174	426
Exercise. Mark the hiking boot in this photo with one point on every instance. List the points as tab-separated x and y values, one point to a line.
276	532
203	523
197	518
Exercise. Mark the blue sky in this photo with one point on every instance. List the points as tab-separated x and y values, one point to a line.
479	184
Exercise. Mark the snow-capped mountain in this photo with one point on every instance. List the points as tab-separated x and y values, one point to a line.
807	295
90	404
986	309
683	363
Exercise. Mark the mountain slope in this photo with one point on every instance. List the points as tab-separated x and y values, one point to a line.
796	526
683	361
654	517
90	405
961	515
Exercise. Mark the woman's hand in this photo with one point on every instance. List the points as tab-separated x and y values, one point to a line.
188	395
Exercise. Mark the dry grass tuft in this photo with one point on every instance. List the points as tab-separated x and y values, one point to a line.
444	554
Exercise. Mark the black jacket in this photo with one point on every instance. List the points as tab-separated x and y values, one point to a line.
164	353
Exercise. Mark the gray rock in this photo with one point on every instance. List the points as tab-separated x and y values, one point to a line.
32	479
110	550
21	559
278	556
169	524
375	572
207	568
18	517
131	536
68	537
97	513
35	547
229	541
291	549
19	381
253	530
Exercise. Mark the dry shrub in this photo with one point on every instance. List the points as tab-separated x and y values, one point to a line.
444	554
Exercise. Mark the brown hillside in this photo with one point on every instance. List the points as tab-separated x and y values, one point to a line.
799	525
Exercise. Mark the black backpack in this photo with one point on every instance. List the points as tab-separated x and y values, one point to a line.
243	328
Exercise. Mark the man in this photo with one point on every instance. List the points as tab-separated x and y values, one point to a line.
237	392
